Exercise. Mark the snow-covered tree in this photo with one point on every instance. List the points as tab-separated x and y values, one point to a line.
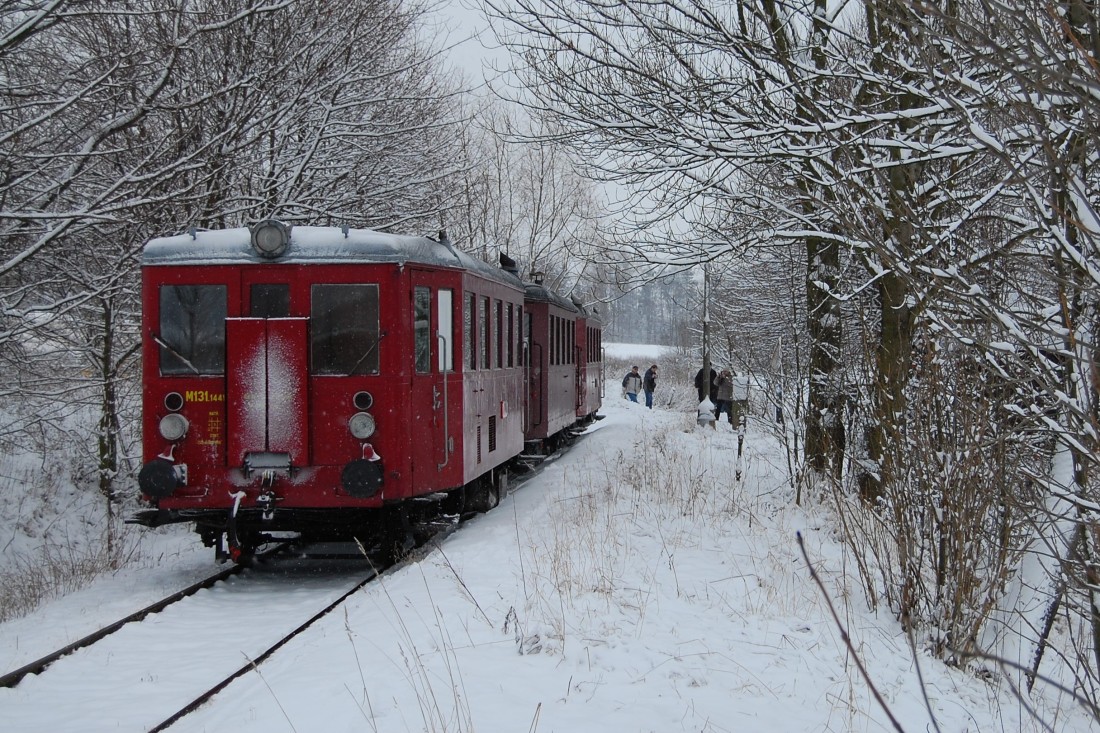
935	167
121	123
520	195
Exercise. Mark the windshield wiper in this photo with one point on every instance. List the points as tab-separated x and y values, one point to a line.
368	352
161	342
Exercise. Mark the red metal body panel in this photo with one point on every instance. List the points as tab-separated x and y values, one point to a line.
266	389
215	446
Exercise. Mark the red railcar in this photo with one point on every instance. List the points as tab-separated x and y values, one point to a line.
557	366
316	380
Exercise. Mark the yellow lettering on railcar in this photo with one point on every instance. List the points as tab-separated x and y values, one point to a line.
203	395
213	429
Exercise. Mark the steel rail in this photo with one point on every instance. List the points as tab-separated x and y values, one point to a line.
254	663
374	573
11	679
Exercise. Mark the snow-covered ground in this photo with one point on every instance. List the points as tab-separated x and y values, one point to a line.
633	585
647	353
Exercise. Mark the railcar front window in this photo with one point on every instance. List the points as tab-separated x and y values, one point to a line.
192	329
343	329
269	300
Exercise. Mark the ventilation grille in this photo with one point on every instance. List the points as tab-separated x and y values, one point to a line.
479	444
492	433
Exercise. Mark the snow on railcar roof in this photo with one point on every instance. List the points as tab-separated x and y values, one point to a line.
538	293
314	245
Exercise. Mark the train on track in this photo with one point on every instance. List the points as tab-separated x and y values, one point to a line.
328	383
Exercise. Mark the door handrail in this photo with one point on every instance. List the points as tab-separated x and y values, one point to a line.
446	425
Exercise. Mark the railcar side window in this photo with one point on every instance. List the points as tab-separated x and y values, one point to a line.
468	330
447	328
558	343
563	342
343	329
499	339
510	338
571	342
483	331
192	329
525	334
422	329
522	336
553	340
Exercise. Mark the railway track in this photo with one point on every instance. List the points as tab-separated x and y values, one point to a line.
145	675
252	664
164	656
13	678
38	666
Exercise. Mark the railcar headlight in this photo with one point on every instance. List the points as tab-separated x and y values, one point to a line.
361	425
173	426
173	401
270	238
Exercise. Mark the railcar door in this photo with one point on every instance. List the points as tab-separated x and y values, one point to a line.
266	404
266	400
536	410
436	391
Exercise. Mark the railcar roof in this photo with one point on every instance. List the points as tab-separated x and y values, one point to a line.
316	245
539	294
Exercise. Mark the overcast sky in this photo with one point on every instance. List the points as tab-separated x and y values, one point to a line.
470	40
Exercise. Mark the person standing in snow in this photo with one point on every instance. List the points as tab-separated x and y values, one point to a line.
701	383
632	383
723	387
649	383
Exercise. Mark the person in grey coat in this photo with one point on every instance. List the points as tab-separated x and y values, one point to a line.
733	398
723	385
632	383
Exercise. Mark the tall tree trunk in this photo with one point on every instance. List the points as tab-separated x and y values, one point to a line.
891	28
109	426
825	430
893	362
825	437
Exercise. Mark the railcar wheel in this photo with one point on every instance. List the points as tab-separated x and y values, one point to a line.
396	536
485	493
455	503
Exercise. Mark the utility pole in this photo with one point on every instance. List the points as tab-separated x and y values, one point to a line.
706	416
706	331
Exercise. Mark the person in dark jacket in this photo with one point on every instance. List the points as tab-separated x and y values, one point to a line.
649	383
701	385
